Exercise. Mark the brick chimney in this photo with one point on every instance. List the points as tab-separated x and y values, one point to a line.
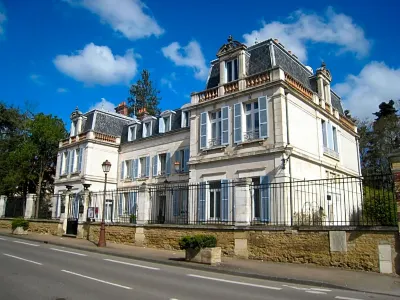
122	109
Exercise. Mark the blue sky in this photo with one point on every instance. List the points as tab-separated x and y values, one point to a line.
59	54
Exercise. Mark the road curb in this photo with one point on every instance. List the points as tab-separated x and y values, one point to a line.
215	269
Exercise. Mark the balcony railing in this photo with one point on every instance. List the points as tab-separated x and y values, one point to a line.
251	135
257	79
231	87
105	137
214	142
208	94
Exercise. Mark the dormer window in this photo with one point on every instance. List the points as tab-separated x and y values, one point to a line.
74	129
232	70
132	133
165	121
147	129
185	119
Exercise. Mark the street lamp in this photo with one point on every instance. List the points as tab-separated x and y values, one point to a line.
102	239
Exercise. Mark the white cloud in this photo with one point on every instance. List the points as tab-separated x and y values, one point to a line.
128	17
332	28
364	92
62	90
167	81
3	19
36	78
104	105
98	65
187	56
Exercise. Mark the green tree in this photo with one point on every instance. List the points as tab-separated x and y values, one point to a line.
143	95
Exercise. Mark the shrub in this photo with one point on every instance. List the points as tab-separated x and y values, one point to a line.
20	222
198	242
379	207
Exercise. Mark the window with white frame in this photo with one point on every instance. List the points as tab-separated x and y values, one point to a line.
215	199
65	165
144	165
128	168
185	119
252	121
163	163
334	136
167	123
147	129
330	139
215	120
132	133
232	70
74	129
324	133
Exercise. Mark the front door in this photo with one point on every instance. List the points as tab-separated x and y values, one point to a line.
162	199
73	214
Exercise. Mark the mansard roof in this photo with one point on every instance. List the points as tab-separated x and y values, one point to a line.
266	55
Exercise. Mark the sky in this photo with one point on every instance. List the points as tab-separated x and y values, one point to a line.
56	55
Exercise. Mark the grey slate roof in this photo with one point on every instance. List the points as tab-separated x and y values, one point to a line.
261	60
105	122
175	126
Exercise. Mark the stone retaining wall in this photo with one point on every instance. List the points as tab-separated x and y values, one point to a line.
119	234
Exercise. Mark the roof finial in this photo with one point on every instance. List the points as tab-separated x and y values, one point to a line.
76	108
230	38
323	65
256	42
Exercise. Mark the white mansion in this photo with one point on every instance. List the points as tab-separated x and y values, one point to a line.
264	120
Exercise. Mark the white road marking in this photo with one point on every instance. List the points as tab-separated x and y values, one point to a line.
98	280
25	243
316	292
129	264
295	287
70	252
3	239
235	282
31	261
321	290
346	298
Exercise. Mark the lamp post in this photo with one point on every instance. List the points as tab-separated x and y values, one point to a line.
102	239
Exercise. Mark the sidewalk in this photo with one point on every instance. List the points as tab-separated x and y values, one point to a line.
292	273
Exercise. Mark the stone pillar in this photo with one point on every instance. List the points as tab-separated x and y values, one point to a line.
64	217
3	202
395	164
30	206
320	84
143	203
242	201
83	216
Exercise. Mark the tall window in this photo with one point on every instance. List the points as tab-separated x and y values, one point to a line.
132	133
252	120
147	129
334	136
232	70
163	163
143	167
215	128
128	167
324	134
215	199
65	163
256	198
74	129
167	123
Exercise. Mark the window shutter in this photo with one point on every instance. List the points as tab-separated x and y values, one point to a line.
263	116
132	168
72	161
178	159
237	123
80	159
201	205
168	164
61	163
264	189
121	199
186	160
136	168
225	125
330	136
67	164
224	200
161	125
122	170
176	202
155	165
134	201
147	166
203	130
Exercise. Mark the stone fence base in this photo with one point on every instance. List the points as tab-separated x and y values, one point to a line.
369	250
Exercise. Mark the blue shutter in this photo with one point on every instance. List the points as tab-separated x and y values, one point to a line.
155	165
136	168
80	159
224	200
330	136
237	123
71	169
120	201
186	160
203	130
132	168
161	125
263	116
264	188
175	203
225	125
67	164
178	159
147	166
122	170
61	163
168	164
201	205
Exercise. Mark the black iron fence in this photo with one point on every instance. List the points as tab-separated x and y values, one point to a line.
340	201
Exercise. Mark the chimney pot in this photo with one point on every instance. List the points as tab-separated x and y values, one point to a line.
276	41
122	109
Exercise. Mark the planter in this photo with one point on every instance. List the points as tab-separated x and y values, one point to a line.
209	256
20	230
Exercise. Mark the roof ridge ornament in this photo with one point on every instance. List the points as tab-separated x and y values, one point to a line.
231	46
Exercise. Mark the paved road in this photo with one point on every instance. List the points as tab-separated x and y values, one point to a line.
31	270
